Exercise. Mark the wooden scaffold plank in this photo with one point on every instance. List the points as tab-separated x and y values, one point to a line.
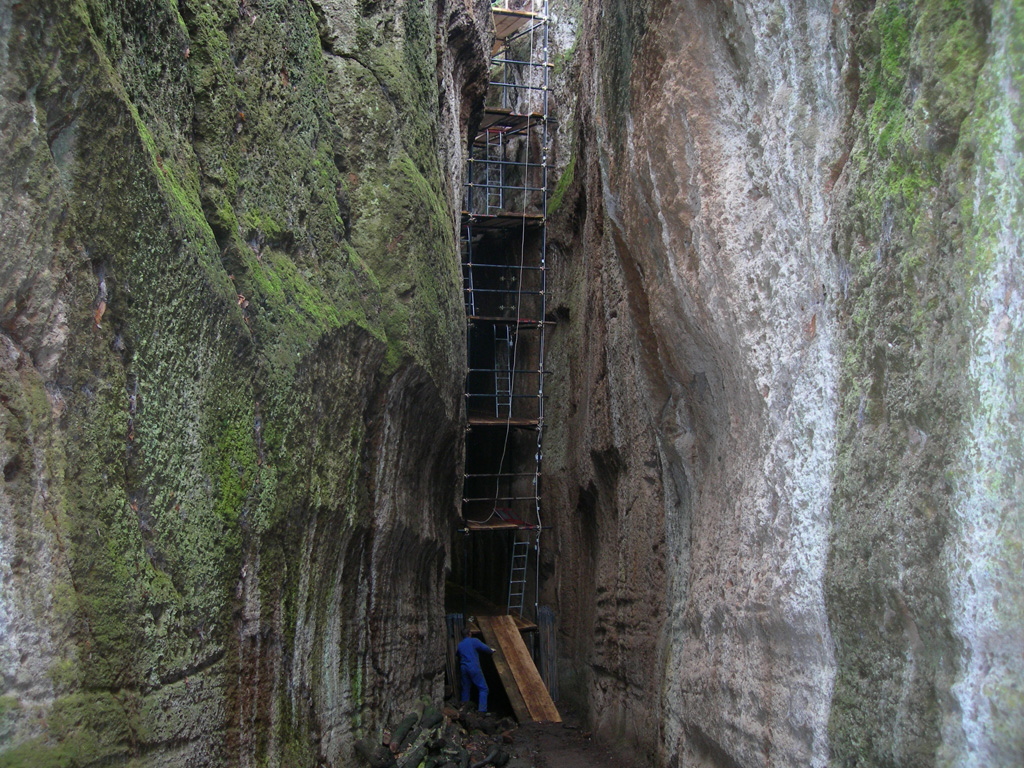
531	687
508	680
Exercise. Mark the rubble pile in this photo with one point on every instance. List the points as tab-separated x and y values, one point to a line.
430	737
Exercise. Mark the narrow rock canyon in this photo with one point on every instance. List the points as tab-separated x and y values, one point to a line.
783	465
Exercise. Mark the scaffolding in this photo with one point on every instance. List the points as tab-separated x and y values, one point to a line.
504	262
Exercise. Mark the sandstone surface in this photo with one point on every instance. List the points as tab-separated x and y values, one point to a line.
781	441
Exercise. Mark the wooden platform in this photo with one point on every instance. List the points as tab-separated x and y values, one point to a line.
472	603
521	322
509	23
526	691
498	525
503	220
500	421
506	121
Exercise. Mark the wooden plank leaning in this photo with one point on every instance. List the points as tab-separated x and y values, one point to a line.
508	680
528	680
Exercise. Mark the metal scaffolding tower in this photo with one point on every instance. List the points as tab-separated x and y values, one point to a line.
504	252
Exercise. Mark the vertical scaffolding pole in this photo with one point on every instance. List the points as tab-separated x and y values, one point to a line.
545	148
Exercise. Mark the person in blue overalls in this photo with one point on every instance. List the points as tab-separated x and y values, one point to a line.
469	661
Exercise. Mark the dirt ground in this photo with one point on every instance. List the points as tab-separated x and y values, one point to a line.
536	745
563	745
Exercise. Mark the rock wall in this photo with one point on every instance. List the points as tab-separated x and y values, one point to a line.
230	375
783	454
782	437
923	581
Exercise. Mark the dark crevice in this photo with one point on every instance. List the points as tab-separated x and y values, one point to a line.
12	469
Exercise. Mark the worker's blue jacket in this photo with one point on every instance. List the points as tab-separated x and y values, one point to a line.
469	653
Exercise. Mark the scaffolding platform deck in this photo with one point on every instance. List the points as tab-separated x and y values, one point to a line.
506	120
509	23
502	220
501	421
476	526
472	603
522	322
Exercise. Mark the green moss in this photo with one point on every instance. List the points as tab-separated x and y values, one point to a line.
563	185
408	239
564	59
887	117
82	728
903	321
234	465
8	704
621	35
65	674
211	159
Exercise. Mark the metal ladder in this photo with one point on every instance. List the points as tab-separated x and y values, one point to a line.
494	175
502	371
467	266
517	576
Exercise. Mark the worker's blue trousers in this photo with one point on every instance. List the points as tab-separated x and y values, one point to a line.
477	677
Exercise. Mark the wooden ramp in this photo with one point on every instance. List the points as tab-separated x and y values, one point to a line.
526	691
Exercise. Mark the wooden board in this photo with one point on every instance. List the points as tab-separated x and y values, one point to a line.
506	638
508	680
500	525
509	23
477	604
492	421
503	220
504	120
531	686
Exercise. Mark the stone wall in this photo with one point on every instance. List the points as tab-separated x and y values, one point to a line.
786	356
231	367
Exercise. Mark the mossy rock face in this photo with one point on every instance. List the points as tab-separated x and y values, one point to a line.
620	38
231	270
909	267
